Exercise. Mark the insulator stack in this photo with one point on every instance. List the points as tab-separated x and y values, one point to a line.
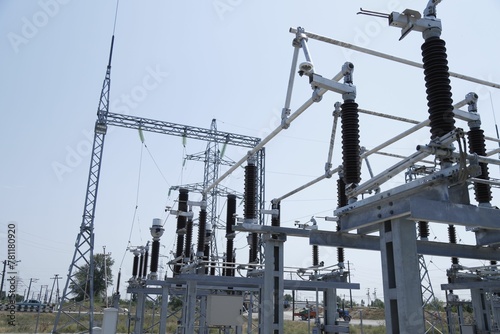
350	142
477	145
202	223
141	264
230	222
155	253
189	238
341	196
118	281
341	201
145	267
135	264
250	206
181	225
423	230
253	248
315	252
437	82
340	250
452	237
250	191
212	268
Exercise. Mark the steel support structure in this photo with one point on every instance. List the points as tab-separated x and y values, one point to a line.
84	245
213	159
193	287
271	298
139	312
428	296
484	292
400	271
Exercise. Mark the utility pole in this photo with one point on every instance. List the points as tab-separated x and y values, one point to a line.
3	277
349	277
43	295
29	286
105	276
55	278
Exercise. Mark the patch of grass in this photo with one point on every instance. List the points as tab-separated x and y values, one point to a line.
26	322
356	329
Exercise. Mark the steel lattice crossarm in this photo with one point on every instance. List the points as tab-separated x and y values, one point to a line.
198	188
134	122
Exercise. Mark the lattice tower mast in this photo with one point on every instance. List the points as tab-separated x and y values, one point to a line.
212	158
84	245
211	174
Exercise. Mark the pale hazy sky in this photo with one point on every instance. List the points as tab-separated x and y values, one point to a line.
188	62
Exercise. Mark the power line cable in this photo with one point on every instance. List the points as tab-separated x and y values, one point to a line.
116	15
156	164
136	206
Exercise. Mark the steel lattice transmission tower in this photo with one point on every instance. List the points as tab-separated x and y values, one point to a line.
428	299
213	158
84	245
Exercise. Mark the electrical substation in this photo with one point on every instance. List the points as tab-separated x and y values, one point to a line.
232	295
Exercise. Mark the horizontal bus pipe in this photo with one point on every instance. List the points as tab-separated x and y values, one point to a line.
264	141
389	57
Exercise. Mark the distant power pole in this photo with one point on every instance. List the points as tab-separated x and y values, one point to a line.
55	278
349	276
44	295
3	276
105	275
29	286
368	297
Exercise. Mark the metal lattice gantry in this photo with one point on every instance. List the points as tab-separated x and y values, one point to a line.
213	157
84	245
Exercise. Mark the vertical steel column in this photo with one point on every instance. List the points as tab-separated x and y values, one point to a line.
271	297
481	308
202	320
330	309
402	294
188	313
139	313
164	310
250	312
